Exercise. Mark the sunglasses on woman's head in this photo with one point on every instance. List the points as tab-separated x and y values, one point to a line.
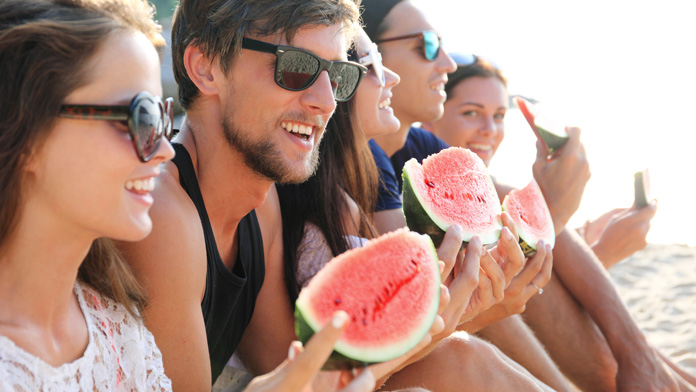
466	59
432	42
147	117
374	58
297	69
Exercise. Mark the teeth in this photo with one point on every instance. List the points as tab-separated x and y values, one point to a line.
145	185
438	87
482	147
385	104
297	128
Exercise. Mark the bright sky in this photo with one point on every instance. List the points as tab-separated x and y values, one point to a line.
624	71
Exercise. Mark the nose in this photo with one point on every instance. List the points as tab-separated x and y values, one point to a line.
319	97
444	62
391	78
164	153
488	125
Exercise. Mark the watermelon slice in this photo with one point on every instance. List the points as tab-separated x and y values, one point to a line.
390	288
531	215
641	183
451	187
551	135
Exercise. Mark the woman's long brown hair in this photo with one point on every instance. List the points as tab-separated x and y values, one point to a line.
45	47
346	168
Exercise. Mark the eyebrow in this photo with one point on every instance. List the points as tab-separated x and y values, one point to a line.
478	105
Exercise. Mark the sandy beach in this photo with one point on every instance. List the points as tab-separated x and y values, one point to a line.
658	284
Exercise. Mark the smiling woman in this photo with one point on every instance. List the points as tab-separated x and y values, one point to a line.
75	171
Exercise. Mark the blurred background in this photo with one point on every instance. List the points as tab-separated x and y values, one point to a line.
624	71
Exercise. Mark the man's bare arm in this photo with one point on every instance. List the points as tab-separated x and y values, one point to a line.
389	220
273	320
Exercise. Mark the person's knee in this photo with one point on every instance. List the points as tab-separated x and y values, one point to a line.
461	353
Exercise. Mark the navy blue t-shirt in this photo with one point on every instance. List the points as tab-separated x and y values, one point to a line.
419	144
388	195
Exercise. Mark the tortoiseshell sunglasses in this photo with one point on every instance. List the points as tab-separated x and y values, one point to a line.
147	117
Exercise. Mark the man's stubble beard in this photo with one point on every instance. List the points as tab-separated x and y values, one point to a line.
263	157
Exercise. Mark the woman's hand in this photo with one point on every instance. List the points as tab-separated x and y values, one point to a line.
297	372
619	233
533	277
562	178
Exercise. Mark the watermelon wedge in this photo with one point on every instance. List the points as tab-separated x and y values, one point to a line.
551	135
641	184
390	289
451	187
531	215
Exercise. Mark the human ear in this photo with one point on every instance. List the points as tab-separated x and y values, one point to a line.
202	72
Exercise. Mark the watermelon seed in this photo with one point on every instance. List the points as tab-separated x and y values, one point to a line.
430	184
337	301
364	321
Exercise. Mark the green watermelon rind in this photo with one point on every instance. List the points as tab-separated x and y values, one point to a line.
344	355
426	222
553	140
527	240
336	361
640	197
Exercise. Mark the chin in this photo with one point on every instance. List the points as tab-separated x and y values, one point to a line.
139	228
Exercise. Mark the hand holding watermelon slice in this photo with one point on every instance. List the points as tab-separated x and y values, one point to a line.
300	369
562	180
551	136
521	288
390	289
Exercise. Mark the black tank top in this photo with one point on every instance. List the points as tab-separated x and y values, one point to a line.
230	296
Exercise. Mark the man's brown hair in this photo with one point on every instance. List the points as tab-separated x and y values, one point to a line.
217	28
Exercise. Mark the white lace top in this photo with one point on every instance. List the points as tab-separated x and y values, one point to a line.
121	356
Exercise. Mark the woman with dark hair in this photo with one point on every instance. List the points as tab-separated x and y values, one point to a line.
69	305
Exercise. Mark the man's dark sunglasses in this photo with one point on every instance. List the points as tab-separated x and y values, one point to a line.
431	42
297	69
147	117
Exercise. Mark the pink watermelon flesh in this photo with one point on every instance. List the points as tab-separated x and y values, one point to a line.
455	186
531	215
390	288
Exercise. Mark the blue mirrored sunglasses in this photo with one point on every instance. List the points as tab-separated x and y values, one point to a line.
432	42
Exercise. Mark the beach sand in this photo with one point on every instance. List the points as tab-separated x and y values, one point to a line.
658	284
